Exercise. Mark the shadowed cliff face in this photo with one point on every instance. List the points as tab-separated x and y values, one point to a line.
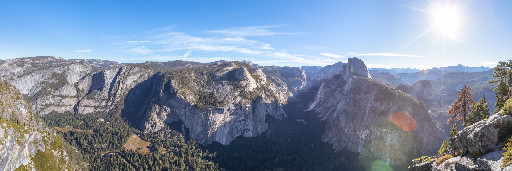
291	143
378	121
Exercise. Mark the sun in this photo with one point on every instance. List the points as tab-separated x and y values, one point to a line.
447	19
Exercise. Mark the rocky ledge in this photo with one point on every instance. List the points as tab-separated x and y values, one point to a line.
476	147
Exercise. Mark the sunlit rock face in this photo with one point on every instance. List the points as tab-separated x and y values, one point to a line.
355	67
233	101
378	121
316	75
49	81
481	137
23	135
213	102
476	147
292	78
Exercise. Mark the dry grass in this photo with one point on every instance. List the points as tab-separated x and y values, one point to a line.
70	128
444	158
135	144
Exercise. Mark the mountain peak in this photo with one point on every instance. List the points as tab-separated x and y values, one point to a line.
354	67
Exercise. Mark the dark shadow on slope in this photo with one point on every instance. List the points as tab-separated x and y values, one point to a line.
293	143
98	82
137	100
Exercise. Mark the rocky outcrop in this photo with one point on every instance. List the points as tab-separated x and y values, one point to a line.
481	137
378	121
49	81
214	102
104	91
291	78
421	91
230	100
98	63
354	67
25	141
476	147
316	75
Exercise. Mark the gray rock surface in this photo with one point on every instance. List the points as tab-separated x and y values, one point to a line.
477	147
421	91
481	137
354	67
234	106
316	75
23	135
215	102
49	81
291	78
358	112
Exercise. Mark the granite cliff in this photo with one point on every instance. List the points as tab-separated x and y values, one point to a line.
376	120
25	142
213	102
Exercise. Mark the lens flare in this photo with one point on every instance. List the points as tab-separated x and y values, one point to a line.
378	165
403	120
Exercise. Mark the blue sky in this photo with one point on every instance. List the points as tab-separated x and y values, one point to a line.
384	33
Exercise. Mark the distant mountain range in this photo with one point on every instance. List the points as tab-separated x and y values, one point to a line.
458	68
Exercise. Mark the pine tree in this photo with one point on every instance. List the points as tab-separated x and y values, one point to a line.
503	74
479	111
462	106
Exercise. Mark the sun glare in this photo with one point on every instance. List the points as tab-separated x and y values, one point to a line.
447	19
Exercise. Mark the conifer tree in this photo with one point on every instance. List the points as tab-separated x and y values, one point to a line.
503	74
462	106
479	111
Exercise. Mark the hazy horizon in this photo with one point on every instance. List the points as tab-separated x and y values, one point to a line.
253	63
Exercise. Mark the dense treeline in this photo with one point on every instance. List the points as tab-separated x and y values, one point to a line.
103	147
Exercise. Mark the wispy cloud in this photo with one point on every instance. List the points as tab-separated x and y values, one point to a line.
138	50
178	41
331	55
172	58
164	44
83	50
186	54
387	55
249	31
135	41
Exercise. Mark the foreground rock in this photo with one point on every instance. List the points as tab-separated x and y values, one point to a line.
378	121
476	147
